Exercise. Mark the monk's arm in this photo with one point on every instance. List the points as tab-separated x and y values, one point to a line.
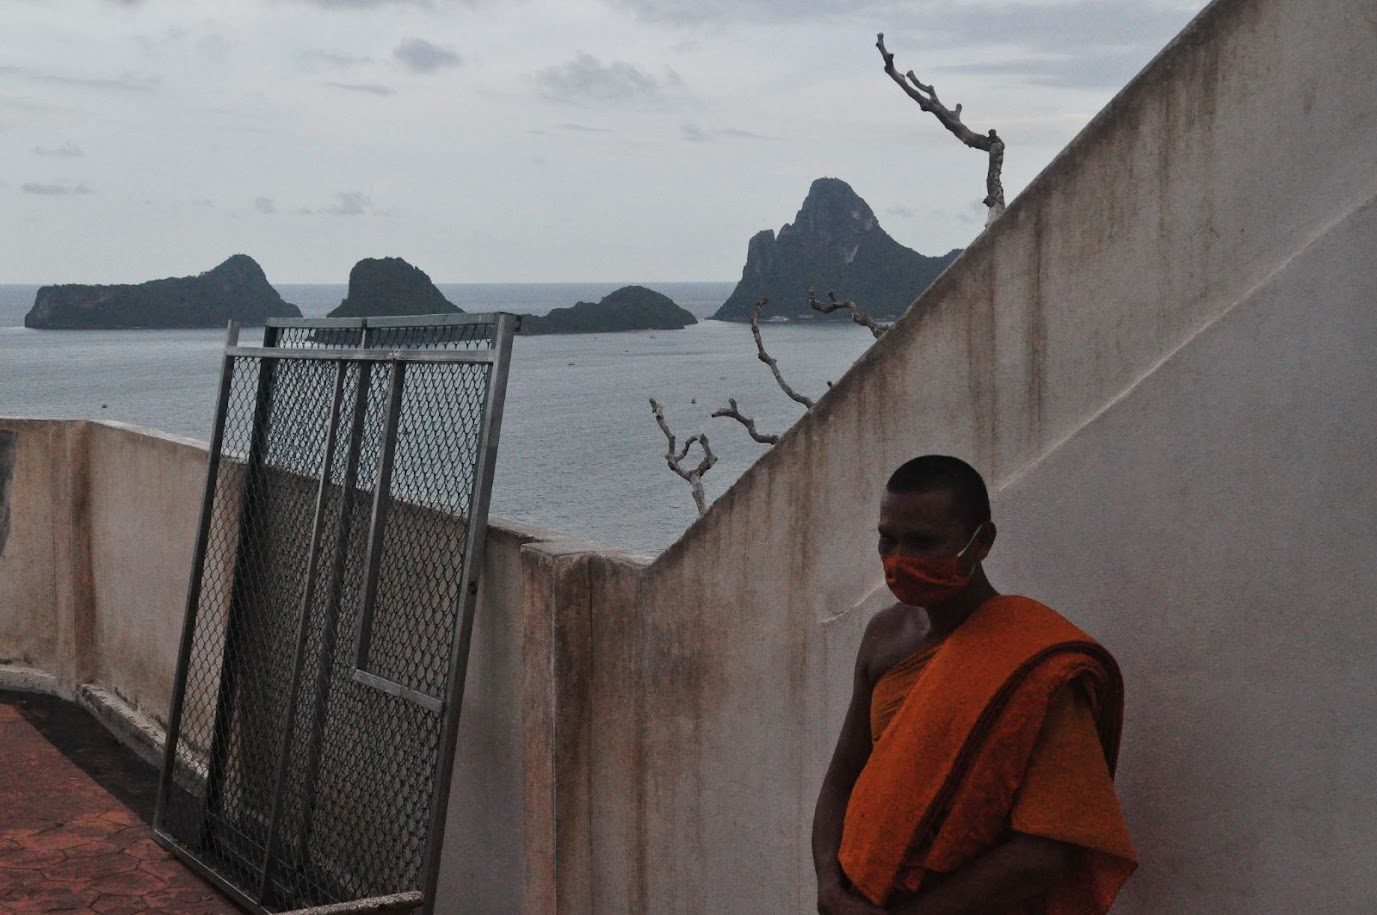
1021	868
848	759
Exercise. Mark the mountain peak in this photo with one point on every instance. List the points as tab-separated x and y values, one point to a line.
835	244
833	219
391	286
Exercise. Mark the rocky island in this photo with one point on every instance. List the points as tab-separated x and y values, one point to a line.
389	286
835	244
386	286
237	290
628	308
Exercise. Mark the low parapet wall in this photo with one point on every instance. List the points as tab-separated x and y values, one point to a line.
93	584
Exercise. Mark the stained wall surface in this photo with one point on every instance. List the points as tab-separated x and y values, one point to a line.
93	585
1160	358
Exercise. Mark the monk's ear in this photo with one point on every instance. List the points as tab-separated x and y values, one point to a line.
985	540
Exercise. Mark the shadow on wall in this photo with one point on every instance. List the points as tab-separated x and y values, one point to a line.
9	450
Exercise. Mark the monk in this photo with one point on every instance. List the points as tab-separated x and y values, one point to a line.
973	773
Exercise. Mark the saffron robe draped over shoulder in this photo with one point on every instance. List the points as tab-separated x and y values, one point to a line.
1012	722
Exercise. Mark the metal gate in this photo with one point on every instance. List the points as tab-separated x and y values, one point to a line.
312	731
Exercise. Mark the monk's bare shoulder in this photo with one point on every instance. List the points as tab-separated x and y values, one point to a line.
892	634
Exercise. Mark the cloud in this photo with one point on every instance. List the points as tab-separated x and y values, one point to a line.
125	82
1092	44
264	205
991	20
58	189
68	150
696	133
706	11
583	128
901	211
332	59
1097	69
1077	44
420	56
367	4
349	203
369	88
585	78
1070	26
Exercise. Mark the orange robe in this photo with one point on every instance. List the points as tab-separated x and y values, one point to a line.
1011	723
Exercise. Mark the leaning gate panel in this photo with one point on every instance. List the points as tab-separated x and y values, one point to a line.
321	672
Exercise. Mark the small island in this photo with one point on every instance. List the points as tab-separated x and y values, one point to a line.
237	290
628	308
388	286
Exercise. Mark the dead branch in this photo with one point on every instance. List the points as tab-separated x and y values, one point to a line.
858	315
734	412
926	97
675	458
770	361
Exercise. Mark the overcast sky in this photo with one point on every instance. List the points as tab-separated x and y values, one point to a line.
518	140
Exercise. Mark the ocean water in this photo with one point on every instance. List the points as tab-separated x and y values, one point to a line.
580	451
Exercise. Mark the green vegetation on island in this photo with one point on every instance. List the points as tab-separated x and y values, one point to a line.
237	290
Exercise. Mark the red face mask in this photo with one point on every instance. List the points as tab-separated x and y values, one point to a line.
925	581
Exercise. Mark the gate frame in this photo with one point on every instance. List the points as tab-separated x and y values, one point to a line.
498	356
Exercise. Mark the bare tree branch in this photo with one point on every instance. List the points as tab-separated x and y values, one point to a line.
734	412
926	97
770	361
861	317
675	458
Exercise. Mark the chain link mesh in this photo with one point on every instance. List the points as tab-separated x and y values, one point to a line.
294	780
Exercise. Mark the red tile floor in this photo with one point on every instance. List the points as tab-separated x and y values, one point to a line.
74	835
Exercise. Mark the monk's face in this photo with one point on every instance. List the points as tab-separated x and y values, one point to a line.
926	524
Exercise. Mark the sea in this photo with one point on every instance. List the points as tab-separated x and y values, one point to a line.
580	451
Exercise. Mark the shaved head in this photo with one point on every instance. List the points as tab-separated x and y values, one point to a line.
933	472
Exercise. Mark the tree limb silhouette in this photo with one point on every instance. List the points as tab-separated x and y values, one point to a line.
734	412
858	315
675	458
926	97
769	360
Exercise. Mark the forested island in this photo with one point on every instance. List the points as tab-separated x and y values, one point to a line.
237	290
387	286
628	308
835	244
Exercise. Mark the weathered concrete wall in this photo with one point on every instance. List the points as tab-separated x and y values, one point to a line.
1239	602
483	850
145	497
9	455
719	690
93	586
45	572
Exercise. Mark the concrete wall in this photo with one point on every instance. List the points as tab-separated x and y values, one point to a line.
1159	356
93	586
1217	523
45	579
